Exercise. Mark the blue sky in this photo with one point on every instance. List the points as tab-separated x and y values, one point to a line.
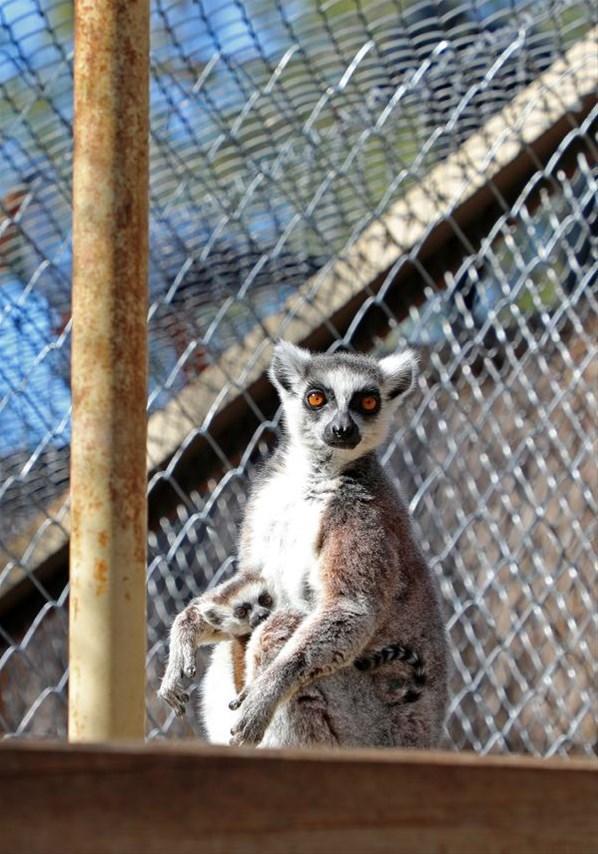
34	397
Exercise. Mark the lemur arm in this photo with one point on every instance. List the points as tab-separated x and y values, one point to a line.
190	630
357	586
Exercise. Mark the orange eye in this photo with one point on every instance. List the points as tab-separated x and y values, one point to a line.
316	399
369	403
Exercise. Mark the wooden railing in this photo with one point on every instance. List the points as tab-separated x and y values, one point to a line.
169	799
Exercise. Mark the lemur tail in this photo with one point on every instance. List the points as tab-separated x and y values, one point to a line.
397	652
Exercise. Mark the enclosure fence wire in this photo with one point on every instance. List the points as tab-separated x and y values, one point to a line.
284	140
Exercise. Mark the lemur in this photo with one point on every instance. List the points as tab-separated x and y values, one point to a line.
231	614
333	540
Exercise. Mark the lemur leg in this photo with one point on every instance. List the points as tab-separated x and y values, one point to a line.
326	641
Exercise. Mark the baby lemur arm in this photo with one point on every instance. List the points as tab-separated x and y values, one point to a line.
355	567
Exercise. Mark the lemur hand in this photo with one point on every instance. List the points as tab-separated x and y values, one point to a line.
174	694
258	706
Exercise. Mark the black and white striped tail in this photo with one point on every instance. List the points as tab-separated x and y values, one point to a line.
397	652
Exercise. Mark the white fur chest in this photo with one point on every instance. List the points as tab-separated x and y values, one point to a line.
285	521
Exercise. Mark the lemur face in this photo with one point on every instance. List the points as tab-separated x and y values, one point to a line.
242	612
339	402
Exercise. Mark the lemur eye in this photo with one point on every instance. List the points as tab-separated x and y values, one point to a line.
265	600
316	399
241	612
369	403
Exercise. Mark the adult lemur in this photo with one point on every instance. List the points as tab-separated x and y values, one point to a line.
334	543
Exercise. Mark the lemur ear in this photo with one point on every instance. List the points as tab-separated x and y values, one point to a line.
289	363
398	373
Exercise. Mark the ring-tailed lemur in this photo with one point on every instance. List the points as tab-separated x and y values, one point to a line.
334	542
231	613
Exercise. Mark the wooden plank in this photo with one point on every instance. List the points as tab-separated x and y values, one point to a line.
452	189
173	799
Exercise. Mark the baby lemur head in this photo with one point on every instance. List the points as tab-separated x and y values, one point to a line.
240	608
341	402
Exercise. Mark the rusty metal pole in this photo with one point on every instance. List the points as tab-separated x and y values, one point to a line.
109	371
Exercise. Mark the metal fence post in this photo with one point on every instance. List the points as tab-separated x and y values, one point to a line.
109	371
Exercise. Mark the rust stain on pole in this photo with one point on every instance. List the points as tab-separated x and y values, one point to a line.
109	371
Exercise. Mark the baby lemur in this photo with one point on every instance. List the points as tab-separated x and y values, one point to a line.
231	613
333	541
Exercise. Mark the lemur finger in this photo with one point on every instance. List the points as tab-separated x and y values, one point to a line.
165	694
238	737
175	698
236	728
180	706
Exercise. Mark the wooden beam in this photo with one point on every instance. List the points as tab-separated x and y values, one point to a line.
178	799
501	155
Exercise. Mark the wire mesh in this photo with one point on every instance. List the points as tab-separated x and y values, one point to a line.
279	135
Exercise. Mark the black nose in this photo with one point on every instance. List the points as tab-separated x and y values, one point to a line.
258	617
342	432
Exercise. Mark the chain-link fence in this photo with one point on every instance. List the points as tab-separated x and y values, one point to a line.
361	172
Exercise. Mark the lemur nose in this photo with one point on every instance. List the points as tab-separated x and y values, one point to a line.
258	617
342	432
344	429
